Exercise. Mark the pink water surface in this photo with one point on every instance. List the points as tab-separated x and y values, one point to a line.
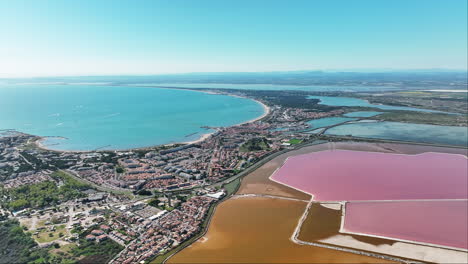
436	222
341	175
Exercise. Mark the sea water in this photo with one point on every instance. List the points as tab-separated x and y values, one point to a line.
114	117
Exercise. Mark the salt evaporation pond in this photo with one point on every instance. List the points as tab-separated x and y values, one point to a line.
328	121
258	230
435	222
341	175
363	114
104	117
447	135
349	101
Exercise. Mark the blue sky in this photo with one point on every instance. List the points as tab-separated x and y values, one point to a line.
56	38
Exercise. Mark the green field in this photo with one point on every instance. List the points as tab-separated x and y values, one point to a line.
294	141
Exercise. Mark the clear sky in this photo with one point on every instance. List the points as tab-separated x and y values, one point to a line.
81	37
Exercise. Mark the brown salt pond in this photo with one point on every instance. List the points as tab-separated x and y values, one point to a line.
258	230
324	221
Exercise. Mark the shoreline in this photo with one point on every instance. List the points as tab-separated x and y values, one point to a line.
203	137
39	143
266	108
266	112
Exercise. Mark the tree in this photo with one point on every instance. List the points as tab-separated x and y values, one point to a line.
119	170
19	204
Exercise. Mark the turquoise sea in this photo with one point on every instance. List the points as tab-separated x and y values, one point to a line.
115	117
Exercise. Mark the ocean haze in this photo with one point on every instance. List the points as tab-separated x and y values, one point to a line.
291	80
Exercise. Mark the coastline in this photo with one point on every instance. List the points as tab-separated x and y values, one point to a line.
39	143
202	138
265	107
266	111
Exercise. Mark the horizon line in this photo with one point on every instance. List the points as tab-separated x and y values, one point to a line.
345	70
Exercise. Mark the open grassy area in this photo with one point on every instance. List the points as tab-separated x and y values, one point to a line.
41	223
64	249
64	252
26	222
45	236
294	141
255	144
232	187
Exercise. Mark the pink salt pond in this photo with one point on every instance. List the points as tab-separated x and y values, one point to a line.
341	175
434	222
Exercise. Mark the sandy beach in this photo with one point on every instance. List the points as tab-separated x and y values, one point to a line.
40	144
202	138
266	111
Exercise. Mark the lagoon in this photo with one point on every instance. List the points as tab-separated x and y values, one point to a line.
446	135
92	117
349	101
328	121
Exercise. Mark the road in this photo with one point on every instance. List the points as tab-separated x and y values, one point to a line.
70	218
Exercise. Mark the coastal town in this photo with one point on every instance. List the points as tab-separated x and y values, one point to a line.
193	132
144	202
